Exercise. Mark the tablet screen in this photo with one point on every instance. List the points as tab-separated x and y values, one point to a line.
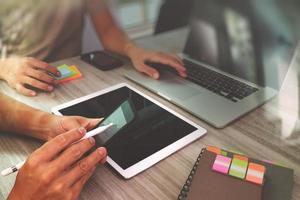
152	129
123	115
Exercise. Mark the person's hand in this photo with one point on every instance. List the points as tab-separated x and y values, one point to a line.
19	72
56	170
140	56
55	125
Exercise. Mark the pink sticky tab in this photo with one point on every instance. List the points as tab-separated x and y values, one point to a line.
221	164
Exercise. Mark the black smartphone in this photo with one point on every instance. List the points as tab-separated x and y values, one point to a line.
121	117
101	60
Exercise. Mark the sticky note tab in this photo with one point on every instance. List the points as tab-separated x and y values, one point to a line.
215	150
240	157
221	164
65	71
223	153
68	73
75	70
255	173
236	152
238	168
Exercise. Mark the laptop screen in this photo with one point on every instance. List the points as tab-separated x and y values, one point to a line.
252	39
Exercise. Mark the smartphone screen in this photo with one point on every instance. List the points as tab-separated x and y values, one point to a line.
101	60
120	117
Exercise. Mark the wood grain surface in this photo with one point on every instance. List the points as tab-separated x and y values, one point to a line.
270	132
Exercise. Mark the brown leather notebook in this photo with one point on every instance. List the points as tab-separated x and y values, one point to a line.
205	184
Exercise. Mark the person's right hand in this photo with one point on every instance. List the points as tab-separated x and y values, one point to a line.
56	170
19	72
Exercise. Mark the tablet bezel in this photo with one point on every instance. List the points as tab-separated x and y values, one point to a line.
154	158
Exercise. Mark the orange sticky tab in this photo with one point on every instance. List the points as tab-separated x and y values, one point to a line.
255	173
70	78
257	167
215	150
241	157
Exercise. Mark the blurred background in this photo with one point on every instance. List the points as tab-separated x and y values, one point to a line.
140	18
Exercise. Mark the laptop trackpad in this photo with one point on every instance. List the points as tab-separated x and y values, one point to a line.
176	87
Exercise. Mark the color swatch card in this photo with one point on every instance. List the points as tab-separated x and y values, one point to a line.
68	73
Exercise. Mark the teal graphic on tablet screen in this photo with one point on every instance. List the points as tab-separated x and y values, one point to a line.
120	117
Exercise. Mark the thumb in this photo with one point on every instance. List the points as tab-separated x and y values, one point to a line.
153	73
91	123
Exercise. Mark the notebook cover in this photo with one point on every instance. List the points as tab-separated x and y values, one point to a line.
205	184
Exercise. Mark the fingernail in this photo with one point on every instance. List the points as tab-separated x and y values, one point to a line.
92	140
32	93
82	131
58	74
103	161
50	88
155	75
101	151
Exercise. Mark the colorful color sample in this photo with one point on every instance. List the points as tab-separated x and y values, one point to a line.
215	150
255	173
68	73
238	168
221	164
65	71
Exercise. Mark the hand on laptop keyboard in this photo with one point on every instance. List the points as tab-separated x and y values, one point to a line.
215	82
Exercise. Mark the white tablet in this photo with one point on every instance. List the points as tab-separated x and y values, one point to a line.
154	133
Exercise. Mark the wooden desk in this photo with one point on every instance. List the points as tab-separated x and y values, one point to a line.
270	132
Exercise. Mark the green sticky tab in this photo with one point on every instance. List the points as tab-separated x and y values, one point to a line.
236	152
238	168
62	66
224	153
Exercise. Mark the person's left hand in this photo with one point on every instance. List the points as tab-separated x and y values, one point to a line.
140	56
56	125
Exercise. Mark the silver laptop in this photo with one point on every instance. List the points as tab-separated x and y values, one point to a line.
237	55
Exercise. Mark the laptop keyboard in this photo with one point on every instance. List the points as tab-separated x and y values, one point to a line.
218	83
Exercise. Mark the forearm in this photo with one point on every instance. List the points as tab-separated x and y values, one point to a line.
2	68
20	118
111	35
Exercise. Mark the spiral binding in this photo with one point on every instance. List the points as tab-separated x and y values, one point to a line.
186	187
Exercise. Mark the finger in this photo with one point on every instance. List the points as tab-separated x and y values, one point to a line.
52	148
45	66
92	123
85	165
103	160
37	84
149	71
178	59
40	75
183	74
25	91
167	60
77	121
71	155
78	186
